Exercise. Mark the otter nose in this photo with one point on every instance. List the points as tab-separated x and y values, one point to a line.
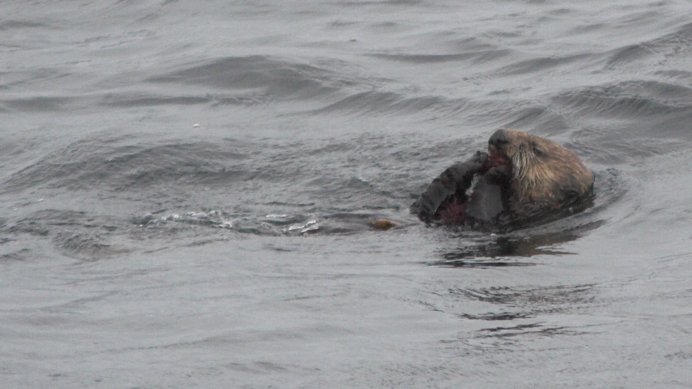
499	138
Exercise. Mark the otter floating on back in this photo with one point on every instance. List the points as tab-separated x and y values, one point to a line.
522	178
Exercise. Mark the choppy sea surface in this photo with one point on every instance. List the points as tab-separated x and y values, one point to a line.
186	190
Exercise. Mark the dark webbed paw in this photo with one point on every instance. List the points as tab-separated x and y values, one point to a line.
453	182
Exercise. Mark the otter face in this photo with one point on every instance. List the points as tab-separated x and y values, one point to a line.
510	147
524	154
501	150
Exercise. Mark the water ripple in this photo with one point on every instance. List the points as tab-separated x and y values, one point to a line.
274	77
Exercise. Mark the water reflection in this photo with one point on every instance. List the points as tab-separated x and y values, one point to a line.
502	250
521	307
543	298
527	329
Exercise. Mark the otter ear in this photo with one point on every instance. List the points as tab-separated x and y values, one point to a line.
537	149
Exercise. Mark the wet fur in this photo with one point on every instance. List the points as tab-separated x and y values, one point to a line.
545	176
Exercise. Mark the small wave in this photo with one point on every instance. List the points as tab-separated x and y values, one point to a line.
538	117
86	246
77	234
628	54
212	218
481	56
623	146
661	49
286	224
140	100
273	77
628	99
36	104
541	64
7	25
467	43
444	47
381	102
39	222
678	75
17	255
267	225
149	100
91	163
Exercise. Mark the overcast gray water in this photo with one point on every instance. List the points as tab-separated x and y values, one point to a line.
186	187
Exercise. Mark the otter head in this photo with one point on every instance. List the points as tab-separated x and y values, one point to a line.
517	154
538	170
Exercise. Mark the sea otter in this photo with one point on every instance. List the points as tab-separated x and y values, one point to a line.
522	178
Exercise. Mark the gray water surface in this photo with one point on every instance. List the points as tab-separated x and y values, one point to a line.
186	190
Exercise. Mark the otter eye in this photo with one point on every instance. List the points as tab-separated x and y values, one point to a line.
498	142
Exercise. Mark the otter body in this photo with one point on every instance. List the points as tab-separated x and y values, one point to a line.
521	178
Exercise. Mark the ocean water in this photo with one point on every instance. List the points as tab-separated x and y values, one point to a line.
186	190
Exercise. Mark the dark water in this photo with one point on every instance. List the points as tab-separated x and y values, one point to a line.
186	188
